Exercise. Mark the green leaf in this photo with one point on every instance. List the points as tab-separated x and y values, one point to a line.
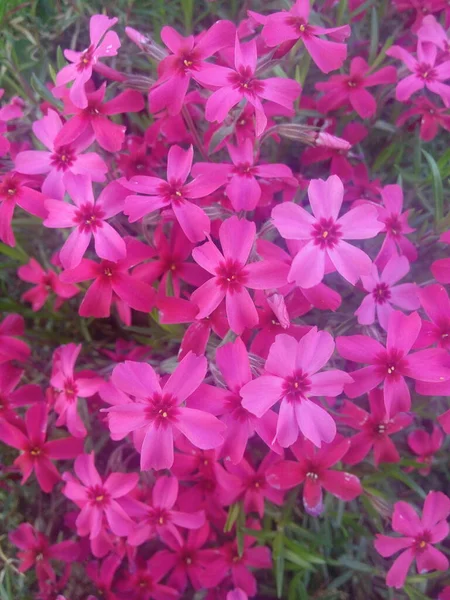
44	92
16	253
374	35
278	562
438	188
398	474
60	60
233	513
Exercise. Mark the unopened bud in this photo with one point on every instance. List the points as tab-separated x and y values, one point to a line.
327	140
278	306
383	508
306	135
146	44
140	83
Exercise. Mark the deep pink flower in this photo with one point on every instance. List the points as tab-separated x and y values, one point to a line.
313	469
37	551
425	445
232	274
10	397
143	582
428	115
432	32
8	112
37	453
420	535
159	517
187	60
324	234
294	25
102	43
45	283
341	90
126	350
89	219
14	190
243	188
98	499
441	267
10	347
70	386
436	304
102	575
60	162
375	430
174	193
392	364
113	282
157	411
424	72
94	118
291	376
383	294
241	83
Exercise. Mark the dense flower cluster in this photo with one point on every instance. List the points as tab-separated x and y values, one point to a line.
190	222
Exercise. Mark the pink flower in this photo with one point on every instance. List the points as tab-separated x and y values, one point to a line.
420	535
291	376
430	117
341	90
432	32
70	387
425	72
88	216
94	118
441	267
10	347
114	283
241	83
45	283
324	234
98	499
375	430
383	293
143	582
37	453
60	162
102	575
103	43
392	364
38	552
187	60
425	445
159	518
10	397
13	190
313	469
157	411
174	193
436	304
294	25
8	112
243	188
232	274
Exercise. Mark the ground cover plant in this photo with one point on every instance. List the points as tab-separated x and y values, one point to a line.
224	340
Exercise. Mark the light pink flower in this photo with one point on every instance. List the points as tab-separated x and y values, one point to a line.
291	376
324	234
60	162
432	32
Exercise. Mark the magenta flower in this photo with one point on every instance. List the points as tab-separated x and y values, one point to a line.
13	190
10	397
294	24
441	267
99	500
10	347
241	83
88	216
37	453
375	428
436	304
70	387
313	469
341	90
243	188
232	274
102	575
45	283
392	364
419	537
432	32
324	234
157	410
143	582
424	72
159	518
291	376
425	445
37	551
174	193
103	43
428	115
60	162
186	61
94	118
383	293
114	283
8	112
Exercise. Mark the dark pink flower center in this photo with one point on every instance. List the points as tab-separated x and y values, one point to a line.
86	59
231	275
312	475
9	188
244	81
98	496
63	158
158	517
381	293
296	387
172	191
421	542
300	25
426	72
233	405
245	170
354	82
89	217
162	410
109	269
70	390
393	225
189	61
257	483
187	557
392	364
380	428
326	233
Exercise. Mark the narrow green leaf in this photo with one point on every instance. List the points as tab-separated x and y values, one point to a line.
60	60
44	92
233	513
438	188
16	253
278	562
374	35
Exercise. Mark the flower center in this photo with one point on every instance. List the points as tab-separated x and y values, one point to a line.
108	272
313	476
70	390
381	293
86	59
426	72
326	233
392	364
162	410
296	387
35	452
98	496
393	225
381	428
300	25
231	275
244	169
244	81
89	217
63	158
